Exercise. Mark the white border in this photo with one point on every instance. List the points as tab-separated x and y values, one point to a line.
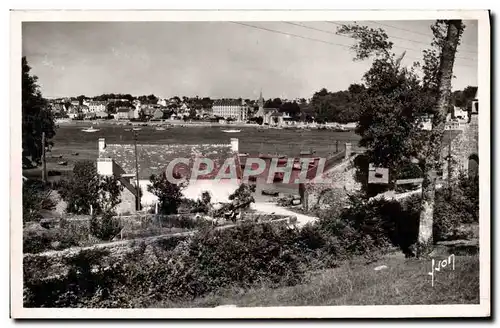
483	309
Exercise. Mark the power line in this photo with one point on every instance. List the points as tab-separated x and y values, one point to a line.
294	35
334	33
427	35
410	40
316	40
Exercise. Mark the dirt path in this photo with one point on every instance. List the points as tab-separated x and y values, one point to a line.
271	208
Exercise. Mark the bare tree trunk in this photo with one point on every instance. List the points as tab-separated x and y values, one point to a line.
44	163
433	161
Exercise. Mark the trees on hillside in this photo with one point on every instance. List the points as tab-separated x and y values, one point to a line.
36	118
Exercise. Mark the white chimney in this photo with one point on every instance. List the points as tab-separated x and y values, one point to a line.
234	145
102	144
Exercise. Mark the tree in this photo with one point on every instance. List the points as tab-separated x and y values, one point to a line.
86	188
395	102
432	153
291	108
36	197
169	194
273	103
392	103
36	118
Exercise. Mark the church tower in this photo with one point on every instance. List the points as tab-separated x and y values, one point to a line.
260	102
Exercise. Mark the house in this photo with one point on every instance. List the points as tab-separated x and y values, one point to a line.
119	160
58	108
162	102
83	109
122	113
230	108
158	114
73	112
75	103
148	110
90	116
97	106
101	114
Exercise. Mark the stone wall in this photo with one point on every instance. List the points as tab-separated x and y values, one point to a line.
332	187
463	147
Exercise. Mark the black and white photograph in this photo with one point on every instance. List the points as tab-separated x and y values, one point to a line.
248	164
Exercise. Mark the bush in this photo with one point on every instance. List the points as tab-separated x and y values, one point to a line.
244	256
36	197
37	239
105	227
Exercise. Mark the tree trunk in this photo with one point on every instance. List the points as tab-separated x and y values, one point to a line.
433	161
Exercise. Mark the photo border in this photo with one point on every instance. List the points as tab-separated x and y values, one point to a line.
365	311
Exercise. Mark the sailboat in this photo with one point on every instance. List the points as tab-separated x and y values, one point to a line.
91	129
231	131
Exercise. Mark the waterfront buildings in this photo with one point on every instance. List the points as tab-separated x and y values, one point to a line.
230	108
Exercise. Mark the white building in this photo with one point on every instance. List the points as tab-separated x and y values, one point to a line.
97	106
230	108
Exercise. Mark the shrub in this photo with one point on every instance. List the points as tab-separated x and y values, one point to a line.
36	197
105	227
169	194
37	239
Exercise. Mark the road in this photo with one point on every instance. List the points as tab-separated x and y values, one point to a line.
273	208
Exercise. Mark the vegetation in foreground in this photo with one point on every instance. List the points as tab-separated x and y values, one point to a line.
261	257
402	283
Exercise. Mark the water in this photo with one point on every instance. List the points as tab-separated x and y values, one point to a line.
289	142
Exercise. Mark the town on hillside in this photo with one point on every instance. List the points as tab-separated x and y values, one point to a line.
288	185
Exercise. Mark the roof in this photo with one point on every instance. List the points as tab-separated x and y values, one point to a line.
154	158
123	110
227	102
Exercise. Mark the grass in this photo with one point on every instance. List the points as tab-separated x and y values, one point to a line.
404	282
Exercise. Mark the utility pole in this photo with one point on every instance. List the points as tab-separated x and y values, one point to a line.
433	158
44	163
137	188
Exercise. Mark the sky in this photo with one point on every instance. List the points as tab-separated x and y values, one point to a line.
216	59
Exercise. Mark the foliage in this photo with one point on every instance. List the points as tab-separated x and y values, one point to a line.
396	99
36	197
244	256
105	227
36	118
37	239
340	106
241	199
169	194
86	188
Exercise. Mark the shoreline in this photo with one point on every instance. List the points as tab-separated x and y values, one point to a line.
175	123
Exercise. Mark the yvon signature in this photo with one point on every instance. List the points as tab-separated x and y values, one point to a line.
441	265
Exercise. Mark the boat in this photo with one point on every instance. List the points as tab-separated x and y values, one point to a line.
136	129
231	131
63	163
91	129
160	128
